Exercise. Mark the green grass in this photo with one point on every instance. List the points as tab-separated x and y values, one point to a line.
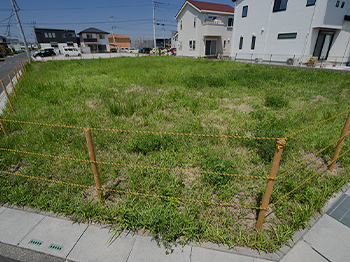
178	96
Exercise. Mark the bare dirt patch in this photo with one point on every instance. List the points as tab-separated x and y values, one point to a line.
318	98
317	162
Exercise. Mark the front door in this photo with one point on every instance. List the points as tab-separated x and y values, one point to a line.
210	47
323	44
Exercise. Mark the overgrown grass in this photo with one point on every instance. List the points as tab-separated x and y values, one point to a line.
176	96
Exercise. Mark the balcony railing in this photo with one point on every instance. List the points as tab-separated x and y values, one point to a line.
90	40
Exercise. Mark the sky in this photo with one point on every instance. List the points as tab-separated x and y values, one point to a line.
133	18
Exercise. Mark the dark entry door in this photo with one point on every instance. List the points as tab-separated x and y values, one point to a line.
210	47
323	44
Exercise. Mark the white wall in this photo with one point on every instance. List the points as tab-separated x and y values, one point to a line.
298	18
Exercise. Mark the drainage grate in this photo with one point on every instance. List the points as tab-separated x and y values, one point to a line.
55	247
35	242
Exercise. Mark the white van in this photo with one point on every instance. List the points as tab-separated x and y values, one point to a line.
71	51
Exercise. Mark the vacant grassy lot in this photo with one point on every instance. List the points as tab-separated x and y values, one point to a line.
176	95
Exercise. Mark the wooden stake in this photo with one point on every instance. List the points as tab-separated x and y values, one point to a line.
3	128
93	163
7	95
340	143
14	71
13	87
268	191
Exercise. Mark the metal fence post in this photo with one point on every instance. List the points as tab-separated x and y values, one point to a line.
7	95
281	143
13	86
93	163
340	143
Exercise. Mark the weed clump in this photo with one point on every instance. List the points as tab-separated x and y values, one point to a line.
151	142
276	102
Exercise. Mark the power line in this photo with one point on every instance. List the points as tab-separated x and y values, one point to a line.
82	8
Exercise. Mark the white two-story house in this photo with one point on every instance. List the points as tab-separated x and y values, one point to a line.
293	31
204	29
94	40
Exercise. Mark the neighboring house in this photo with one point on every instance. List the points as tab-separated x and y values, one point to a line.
292	31
56	38
120	41
15	44
3	41
204	29
94	40
174	37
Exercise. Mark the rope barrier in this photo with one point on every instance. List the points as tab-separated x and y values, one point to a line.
318	124
132	165
272	205
311	157
135	131
134	193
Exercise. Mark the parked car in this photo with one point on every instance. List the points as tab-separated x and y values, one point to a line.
133	51
71	51
124	49
45	52
145	50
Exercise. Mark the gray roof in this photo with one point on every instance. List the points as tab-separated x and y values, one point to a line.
93	30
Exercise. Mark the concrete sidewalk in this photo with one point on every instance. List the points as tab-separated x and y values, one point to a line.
29	235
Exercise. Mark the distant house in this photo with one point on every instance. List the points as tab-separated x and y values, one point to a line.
94	40
15	44
3	41
204	29
120	41
292	31
56	38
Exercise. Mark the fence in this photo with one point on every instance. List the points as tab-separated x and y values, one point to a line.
293	60
271	178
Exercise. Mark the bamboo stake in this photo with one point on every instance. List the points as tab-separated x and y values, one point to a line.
7	95
14	71
340	143
3	128
268	191
13	87
93	163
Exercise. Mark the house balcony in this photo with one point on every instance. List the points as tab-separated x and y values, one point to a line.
214	29
90	40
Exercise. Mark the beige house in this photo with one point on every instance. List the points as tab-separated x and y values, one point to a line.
120	41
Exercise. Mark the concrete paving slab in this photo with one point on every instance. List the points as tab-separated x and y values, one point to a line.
330	238
146	249
94	246
2	209
208	255
302	252
54	231
261	260
348	192
15	225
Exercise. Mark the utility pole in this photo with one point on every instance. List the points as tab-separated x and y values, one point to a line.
115	48
20	29
154	30
163	33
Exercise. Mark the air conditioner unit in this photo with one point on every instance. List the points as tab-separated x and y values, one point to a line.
290	61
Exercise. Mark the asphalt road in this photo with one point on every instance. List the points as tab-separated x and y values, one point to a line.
8	65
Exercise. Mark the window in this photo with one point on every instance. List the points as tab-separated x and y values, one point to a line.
71	34
192	45
194	22
241	42
88	35
180	45
181	25
101	36
287	36
230	22
70	44
310	2
46	35
50	35
53	35
342	5
64	35
280	5
245	11
337	4
224	44
253	42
